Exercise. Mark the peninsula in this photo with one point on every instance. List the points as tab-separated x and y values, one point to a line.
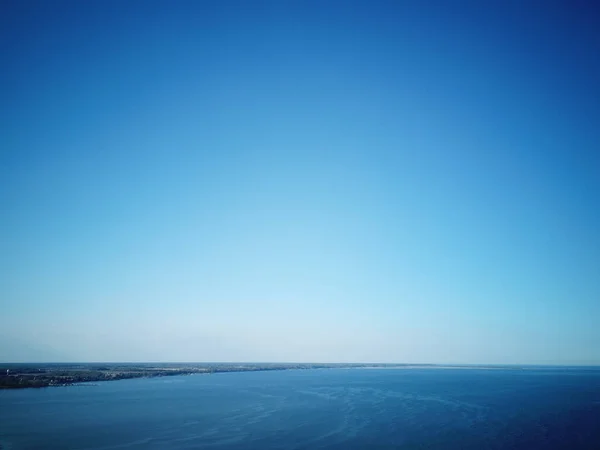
15	376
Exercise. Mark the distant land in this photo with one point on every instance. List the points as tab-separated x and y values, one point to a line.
35	375
38	375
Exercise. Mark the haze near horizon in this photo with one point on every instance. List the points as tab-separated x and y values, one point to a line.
300	181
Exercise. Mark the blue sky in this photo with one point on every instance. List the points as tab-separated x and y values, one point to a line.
300	181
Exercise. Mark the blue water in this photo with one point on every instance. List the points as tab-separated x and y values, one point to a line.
548	408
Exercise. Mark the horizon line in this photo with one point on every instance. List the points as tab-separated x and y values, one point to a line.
314	362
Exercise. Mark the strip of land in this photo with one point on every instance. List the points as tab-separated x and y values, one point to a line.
15	376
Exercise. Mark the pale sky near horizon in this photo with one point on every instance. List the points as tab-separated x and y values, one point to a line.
300	181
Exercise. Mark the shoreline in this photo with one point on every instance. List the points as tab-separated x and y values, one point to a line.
34	376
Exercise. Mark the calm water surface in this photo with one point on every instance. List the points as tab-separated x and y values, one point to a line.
329	409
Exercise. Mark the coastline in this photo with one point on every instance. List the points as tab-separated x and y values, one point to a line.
26	376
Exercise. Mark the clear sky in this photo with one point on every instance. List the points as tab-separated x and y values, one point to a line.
300	181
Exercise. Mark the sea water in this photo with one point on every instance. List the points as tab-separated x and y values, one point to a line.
468	408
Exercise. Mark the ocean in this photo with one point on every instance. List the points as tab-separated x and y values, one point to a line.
470	408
